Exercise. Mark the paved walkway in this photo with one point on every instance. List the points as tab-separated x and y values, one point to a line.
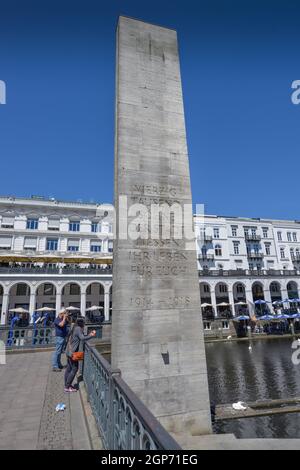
29	392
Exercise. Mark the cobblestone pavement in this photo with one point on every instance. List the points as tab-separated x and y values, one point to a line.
29	393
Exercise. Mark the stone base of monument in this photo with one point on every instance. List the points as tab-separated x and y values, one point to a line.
230	442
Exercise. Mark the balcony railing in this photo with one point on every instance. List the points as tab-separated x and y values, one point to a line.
205	257
55	270
296	258
123	420
34	337
252	237
247	273
255	255
208	238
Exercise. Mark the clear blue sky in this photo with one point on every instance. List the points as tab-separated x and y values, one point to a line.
238	60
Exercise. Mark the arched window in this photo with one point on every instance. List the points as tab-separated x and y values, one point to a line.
218	250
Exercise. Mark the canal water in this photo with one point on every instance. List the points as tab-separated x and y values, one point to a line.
236	373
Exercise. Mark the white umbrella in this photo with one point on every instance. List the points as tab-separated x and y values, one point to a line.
223	304
19	310
206	305
240	303
72	309
45	309
93	308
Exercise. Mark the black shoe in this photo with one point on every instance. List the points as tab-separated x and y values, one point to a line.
56	369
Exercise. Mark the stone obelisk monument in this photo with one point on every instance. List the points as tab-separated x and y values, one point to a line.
157	335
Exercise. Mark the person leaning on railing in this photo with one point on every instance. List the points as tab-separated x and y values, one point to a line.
73	353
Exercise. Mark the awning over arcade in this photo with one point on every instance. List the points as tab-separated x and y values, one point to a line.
54	259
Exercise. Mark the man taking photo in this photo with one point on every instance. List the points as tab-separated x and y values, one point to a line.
61	324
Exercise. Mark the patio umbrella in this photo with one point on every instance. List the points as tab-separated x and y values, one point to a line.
277	302
242	317
261	303
295	315
223	304
240	303
93	308
19	310
72	309
206	305
45	309
267	317
283	316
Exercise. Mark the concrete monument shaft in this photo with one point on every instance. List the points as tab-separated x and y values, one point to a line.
157	336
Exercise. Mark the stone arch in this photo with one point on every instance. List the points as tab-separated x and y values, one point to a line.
239	298
222	297
205	292
71	295
239	292
206	298
19	296
292	290
45	296
257	289
95	295
275	291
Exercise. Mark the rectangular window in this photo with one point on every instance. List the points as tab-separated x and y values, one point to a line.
7	222
294	236
32	224
30	243
207	325
265	232
74	226
233	230
289	236
96	246
53	224
73	245
216	233
95	227
225	325
5	243
282	253
279	236
52	244
110	246
268	248
236	248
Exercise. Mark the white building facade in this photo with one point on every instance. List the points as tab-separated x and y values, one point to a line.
59	254
241	261
54	254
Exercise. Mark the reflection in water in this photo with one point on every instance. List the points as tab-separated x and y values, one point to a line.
265	372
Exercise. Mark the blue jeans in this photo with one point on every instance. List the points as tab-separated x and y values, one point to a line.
59	346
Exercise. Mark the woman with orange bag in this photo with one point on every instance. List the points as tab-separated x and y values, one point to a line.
73	353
